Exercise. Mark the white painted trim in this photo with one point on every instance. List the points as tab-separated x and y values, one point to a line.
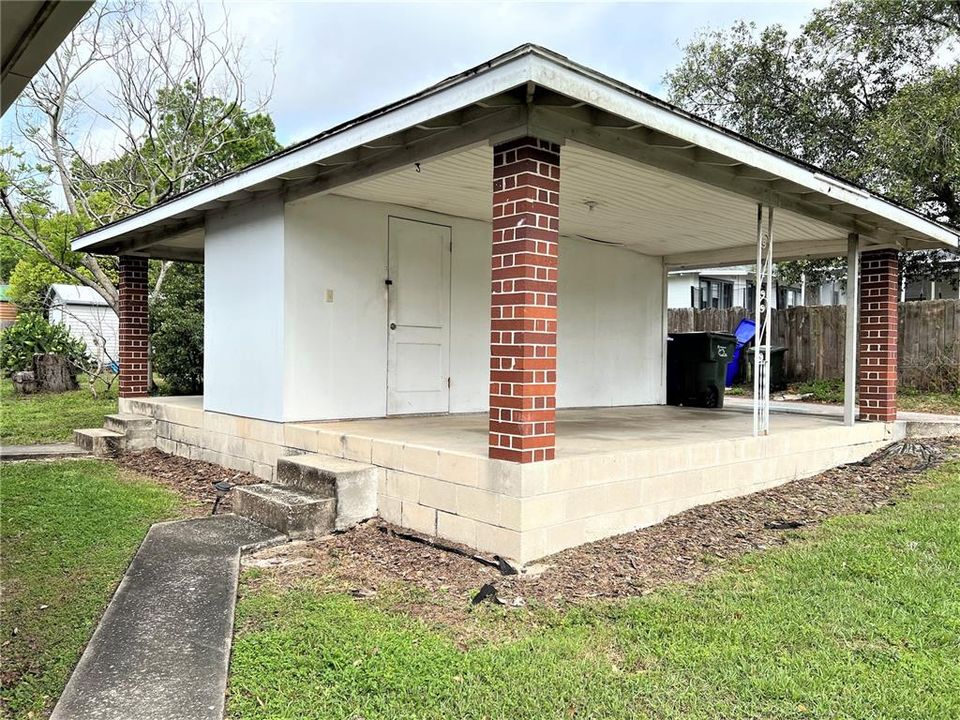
554	73
483	85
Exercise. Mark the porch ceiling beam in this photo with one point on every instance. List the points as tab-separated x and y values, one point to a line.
160	252
505	120
747	254
161	234
637	147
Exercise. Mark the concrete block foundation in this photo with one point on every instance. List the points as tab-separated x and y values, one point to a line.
616	470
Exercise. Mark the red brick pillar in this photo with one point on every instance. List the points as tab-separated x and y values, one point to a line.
879	284
134	330
523	313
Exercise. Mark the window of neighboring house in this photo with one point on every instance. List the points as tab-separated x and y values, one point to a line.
788	297
717	294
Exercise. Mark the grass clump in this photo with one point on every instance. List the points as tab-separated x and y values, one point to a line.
51	417
69	530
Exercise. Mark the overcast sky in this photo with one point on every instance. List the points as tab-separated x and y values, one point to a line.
339	60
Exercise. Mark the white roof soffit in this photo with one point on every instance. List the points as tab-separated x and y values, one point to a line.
531	90
30	33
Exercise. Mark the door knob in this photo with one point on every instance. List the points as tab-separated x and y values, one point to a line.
393	326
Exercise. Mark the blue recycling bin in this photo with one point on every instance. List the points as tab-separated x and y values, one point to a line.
746	329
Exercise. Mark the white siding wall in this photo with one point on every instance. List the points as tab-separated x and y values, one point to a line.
243	321
329	333
96	325
679	289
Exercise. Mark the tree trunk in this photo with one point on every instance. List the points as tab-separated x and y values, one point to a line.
54	373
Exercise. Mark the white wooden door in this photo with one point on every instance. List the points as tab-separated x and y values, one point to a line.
418	316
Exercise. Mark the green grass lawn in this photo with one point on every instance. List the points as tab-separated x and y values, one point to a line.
48	417
831	392
69	530
858	619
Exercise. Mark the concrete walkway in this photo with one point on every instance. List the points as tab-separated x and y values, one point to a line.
162	648
40	452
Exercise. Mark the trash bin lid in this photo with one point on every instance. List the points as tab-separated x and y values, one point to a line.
773	349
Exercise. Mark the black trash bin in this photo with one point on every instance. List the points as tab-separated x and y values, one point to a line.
697	368
778	374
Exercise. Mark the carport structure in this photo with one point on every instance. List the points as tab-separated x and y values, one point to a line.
383	294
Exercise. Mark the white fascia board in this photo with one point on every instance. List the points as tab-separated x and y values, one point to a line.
583	86
490	82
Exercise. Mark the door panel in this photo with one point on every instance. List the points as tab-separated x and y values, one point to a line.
418	317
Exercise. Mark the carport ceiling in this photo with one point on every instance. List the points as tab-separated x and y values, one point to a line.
605	198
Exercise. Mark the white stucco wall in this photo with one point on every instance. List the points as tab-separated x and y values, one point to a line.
243	365
319	350
610	317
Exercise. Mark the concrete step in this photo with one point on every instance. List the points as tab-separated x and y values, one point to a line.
139	431
354	485
15	453
98	441
289	510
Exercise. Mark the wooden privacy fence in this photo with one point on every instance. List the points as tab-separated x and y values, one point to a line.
929	339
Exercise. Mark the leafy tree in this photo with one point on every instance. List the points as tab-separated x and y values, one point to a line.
31	334
861	91
176	99
176	325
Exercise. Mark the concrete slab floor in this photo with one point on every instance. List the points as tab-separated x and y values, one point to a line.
162	648
581	431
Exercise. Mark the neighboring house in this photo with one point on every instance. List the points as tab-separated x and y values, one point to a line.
463	296
8	311
833	292
728	287
723	288
946	288
88	317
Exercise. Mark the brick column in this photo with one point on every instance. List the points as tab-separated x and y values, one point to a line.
879	283
523	313
134	329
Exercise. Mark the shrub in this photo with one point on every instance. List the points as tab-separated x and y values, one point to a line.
176	322
32	334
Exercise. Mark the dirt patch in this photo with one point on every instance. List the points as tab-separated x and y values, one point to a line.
373	563
191	479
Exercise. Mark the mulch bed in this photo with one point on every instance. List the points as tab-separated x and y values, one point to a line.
371	560
191	479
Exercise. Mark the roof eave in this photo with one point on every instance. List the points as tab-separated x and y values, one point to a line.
531	65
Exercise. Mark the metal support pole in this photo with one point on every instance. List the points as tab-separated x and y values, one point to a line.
852	339
762	316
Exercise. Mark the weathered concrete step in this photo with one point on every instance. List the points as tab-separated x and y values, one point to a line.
13	453
120	422
353	484
99	441
139	431
291	511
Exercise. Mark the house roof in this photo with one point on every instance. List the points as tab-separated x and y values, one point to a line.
532	90
30	32
75	295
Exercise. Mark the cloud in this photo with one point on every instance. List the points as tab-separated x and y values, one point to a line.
338	61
